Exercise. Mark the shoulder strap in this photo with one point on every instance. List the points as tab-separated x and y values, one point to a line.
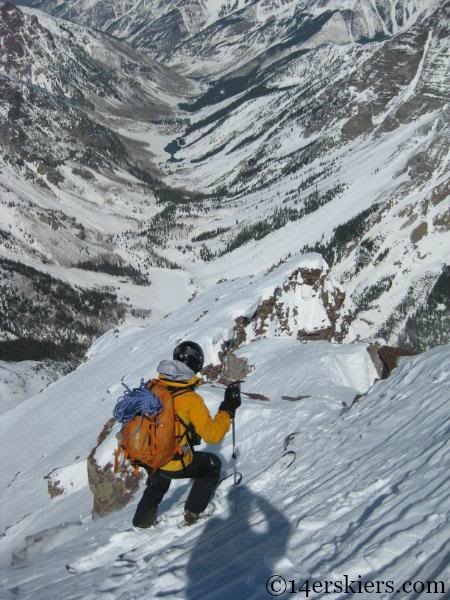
191	434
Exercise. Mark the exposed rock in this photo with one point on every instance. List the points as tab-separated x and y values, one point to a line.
54	485
419	232
18	34
289	439
390	355
240	334
236	368
230	368
442	221
307	305
373	350
385	358
315	336
358	123
111	492
212	372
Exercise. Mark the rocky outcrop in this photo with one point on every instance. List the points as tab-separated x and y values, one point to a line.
110	491
385	358
54	486
307	306
19	34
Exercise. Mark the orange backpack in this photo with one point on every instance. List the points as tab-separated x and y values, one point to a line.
149	440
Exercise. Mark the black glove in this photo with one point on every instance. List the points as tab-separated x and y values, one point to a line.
232	398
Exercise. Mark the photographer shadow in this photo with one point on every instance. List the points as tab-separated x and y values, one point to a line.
235	555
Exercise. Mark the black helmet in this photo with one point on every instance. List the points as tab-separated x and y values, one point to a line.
190	354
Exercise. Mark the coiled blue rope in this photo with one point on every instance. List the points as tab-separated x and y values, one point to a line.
136	401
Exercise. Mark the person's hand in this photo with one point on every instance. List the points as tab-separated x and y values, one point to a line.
232	398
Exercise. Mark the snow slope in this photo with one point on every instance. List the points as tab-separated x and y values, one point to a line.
22	380
366	495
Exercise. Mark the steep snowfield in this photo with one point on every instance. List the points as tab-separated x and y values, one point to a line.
22	380
366	496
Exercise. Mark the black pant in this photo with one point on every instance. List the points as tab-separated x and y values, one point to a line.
204	469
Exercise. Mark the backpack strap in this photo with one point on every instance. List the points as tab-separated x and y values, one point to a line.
190	432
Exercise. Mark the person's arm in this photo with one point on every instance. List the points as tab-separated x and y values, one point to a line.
211	430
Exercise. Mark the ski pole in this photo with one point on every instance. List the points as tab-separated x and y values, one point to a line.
234	457
233	429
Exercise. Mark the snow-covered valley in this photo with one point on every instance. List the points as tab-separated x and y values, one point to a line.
263	166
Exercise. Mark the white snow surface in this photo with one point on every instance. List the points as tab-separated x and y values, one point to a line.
367	495
21	380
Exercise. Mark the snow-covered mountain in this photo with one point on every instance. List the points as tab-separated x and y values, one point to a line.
73	184
236	29
154	24
342	148
333	142
267	177
365	497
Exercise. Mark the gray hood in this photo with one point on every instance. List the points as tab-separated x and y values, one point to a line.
174	370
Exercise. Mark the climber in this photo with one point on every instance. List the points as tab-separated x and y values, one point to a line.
193	423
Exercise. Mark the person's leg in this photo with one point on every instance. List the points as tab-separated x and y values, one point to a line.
205	471
147	509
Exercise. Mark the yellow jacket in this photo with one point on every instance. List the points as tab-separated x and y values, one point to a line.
192	410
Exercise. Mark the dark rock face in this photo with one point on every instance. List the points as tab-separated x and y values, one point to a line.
20	36
385	358
389	356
